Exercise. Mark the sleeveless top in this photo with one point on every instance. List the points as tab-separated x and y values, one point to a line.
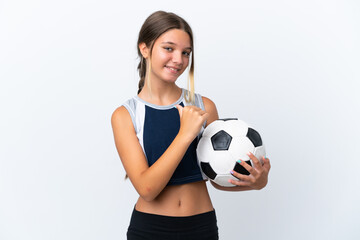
157	126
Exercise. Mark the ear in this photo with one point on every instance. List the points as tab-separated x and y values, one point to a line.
144	50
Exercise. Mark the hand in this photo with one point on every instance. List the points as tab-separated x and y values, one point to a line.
191	120
258	174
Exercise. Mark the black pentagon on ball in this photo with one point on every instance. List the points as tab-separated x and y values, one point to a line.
254	137
221	141
207	169
240	169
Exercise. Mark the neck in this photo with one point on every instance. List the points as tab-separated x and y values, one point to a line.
164	94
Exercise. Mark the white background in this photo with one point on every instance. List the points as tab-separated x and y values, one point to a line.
289	68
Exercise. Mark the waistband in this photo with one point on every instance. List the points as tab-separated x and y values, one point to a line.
144	220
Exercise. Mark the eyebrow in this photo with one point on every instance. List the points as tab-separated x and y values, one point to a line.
175	44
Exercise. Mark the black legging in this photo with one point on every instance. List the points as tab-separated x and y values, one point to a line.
157	227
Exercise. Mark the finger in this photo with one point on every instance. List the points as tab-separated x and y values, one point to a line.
250	169
192	107
240	176
239	183
206	116
257	163
199	111
179	108
202	112
267	165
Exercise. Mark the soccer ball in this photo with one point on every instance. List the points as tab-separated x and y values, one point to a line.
222	143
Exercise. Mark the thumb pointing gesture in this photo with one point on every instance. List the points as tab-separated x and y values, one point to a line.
180	109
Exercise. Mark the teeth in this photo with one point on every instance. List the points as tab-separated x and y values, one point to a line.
174	69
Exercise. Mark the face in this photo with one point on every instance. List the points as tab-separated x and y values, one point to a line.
170	55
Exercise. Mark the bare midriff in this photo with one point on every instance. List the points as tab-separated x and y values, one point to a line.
180	200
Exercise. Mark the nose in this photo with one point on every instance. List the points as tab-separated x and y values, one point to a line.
177	57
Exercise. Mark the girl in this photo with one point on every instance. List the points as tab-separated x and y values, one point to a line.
156	135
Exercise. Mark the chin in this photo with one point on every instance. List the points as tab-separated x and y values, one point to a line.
170	79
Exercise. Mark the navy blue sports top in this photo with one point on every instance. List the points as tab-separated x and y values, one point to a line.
157	126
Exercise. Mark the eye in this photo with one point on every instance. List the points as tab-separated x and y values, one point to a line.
187	54
169	49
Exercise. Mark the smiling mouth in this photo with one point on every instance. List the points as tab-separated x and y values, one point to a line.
172	69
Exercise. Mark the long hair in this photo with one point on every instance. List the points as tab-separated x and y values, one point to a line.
154	26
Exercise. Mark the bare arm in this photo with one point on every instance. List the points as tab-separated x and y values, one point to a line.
150	181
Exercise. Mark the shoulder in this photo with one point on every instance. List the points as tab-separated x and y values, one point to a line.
208	104
124	115
119	112
211	109
124	109
120	117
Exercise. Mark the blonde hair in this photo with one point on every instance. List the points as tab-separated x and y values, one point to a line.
191	85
